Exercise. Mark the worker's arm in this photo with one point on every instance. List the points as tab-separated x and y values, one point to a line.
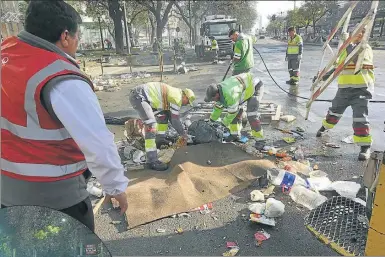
175	119
300	45
217	111
232	113
81	115
237	52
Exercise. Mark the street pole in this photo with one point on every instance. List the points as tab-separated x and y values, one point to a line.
127	36
189	17
101	33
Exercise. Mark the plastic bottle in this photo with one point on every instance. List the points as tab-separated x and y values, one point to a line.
298	154
306	197
284	178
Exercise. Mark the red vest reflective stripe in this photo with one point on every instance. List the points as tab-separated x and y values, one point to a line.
34	147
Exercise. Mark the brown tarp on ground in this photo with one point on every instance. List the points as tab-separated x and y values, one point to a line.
191	182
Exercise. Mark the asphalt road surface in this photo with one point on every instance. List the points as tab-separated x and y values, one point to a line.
204	235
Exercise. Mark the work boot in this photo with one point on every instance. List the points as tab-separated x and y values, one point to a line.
364	153
157	165
320	131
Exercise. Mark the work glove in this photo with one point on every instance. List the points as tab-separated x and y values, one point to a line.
314	78
299	57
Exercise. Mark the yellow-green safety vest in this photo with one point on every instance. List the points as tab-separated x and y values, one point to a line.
163	97
361	80
293	45
214	44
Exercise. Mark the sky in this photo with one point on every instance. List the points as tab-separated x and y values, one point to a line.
267	8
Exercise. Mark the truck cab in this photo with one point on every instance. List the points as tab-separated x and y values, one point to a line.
217	26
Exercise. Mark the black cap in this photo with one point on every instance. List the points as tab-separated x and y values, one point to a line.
232	32
211	91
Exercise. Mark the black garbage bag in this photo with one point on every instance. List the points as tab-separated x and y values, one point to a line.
206	132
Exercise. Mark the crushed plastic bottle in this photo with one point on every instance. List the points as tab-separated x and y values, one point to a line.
284	178
298	154
306	197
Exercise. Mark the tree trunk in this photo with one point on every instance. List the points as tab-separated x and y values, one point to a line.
382	27
152	23
131	34
116	15
159	29
313	27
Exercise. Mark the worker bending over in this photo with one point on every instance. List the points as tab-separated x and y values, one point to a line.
231	94
243	52
293	56
159	102
354	90
214	49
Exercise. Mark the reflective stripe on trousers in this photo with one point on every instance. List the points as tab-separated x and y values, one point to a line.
34	131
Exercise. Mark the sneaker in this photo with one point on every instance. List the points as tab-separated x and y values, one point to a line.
320	131
157	165
364	153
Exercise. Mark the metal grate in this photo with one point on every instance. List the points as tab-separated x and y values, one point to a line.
340	223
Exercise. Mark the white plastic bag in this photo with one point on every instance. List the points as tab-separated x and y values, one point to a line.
320	183
347	189
258	208
274	208
257	196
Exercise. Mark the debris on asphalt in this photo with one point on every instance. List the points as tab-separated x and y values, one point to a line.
181	215
257	196
348	189
115	222
288	118
94	190
298	154
179	231
332	145
299	129
305	197
257	208
165	155
160	230
284	178
289	140
319	183
317	174
214	217
315	167
208	162
268	191
231	244
274	208
204	209
258	218
115	203
232	252
261	236
348	140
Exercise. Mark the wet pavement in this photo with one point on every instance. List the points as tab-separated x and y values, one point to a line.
204	235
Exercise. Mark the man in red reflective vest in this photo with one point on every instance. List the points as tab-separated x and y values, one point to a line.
53	133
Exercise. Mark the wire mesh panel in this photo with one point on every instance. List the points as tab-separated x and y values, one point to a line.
340	223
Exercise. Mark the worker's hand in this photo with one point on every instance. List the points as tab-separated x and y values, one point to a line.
122	200
286	59
299	57
314	78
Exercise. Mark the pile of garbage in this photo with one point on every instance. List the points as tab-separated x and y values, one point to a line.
183	69
110	83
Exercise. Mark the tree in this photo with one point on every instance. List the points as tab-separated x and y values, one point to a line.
296	18
136	16
160	10
315	10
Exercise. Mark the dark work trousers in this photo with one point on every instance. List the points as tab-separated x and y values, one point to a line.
82	212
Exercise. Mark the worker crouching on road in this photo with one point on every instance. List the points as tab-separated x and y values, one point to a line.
231	94
53	132
243	58
156	104
354	90
293	56
214	49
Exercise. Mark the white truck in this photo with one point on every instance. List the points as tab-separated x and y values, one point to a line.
217	26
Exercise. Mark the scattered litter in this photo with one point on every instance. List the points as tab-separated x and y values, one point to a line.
289	140
231	244
232	252
179	231
347	189
93	190
332	145
244	139
165	155
348	140
214	217
272	151
274	208
262	219
261	236
115	204
115	222
298	154
257	196
209	162
268	191
355	177
334	163
204	209
193	68
184	214
281	155
221	62
299	129
306	197
284	178
317	174
288	118
160	230
319	183
315	167
258	208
